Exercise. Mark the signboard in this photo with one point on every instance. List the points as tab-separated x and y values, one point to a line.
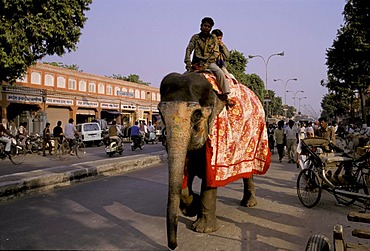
23	98
109	105
87	103
59	101
126	94
128	107
144	108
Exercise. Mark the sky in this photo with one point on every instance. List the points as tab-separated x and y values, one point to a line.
149	37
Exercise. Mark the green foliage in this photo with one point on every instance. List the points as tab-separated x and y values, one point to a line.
30	30
348	59
133	78
60	64
236	65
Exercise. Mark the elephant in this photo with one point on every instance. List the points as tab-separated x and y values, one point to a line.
188	107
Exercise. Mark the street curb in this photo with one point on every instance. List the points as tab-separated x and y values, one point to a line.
16	185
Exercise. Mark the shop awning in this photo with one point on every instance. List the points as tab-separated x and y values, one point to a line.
85	112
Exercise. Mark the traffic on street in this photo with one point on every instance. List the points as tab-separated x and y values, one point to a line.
36	161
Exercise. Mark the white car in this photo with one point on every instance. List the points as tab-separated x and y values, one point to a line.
90	133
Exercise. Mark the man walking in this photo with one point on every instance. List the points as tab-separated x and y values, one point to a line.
291	133
58	136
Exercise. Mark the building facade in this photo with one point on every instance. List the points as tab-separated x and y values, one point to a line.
49	93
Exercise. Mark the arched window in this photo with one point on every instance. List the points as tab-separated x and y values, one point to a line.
61	82
153	96
143	95
158	97
82	86
137	94
72	85
116	90
49	80
101	88
92	87
35	78
109	90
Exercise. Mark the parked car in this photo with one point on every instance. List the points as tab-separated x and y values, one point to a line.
91	133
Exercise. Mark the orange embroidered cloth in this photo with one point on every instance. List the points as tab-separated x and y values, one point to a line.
238	146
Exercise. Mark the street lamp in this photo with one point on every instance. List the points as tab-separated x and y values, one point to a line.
285	84
295	94
299	103
266	63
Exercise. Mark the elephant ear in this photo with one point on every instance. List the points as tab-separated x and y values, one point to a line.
200	122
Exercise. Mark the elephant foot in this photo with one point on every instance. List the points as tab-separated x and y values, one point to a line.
205	224
190	205
251	202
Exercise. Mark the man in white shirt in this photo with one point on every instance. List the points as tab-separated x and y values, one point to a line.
69	133
291	132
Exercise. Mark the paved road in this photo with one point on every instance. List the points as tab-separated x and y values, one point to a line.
37	161
127	212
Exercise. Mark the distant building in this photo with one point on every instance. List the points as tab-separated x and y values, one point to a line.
49	93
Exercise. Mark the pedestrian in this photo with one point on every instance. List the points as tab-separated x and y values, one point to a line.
279	138
70	132
46	139
325	131
22	133
205	49
291	133
58	136
301	159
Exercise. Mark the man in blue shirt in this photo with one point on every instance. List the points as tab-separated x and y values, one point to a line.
135	130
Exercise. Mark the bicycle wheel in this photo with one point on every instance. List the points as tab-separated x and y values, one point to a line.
64	150
345	200
17	154
308	188
80	150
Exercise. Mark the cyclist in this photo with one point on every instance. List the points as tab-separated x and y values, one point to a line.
69	133
5	139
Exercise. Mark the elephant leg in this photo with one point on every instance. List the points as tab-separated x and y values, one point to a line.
249	196
189	201
206	221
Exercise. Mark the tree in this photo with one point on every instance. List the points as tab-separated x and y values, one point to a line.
133	78
348	59
60	64
30	30
236	65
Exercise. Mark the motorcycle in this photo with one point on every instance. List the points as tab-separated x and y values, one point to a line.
112	147
34	143
137	142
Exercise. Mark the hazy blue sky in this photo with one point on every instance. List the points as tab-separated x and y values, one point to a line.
149	37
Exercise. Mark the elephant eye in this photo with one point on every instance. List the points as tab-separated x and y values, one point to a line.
196	118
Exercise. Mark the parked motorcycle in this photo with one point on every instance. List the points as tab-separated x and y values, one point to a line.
137	142
34	143
112	147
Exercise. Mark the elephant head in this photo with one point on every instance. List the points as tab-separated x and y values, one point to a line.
188	108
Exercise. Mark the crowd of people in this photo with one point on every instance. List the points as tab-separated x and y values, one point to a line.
286	136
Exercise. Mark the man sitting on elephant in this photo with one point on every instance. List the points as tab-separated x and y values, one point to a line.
206	51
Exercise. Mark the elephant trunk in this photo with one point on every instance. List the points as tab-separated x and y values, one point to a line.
177	117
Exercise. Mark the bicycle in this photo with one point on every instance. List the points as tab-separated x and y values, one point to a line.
64	149
341	175
17	152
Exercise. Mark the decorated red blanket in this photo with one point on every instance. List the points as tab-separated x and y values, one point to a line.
238	145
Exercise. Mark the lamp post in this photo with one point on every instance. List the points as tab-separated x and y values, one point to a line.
285	84
295	94
299	103
266	63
